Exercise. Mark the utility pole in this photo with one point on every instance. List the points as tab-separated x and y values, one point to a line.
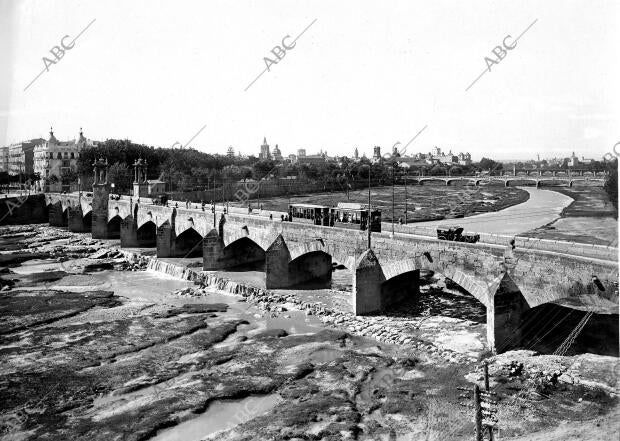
478	414
405	197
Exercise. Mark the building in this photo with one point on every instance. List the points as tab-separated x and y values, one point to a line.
311	159
21	157
54	159
264	150
277	155
231	152
4	159
573	161
356	154
376	156
301	153
464	158
437	156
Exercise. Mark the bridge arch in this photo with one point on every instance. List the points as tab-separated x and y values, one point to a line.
431	179
188	243
553	182
146	234
315	266
530	181
466	181
243	251
114	227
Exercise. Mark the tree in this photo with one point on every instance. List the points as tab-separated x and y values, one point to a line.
120	175
489	165
263	168
68	176
437	170
455	171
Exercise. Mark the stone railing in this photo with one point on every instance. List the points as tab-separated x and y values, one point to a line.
603	252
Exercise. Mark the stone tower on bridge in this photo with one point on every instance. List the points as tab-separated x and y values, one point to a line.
101	195
140	184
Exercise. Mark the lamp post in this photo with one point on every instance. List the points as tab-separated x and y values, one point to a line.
394	165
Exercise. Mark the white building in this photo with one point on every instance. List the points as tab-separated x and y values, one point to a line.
54	159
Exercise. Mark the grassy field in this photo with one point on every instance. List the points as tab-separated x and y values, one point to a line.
427	202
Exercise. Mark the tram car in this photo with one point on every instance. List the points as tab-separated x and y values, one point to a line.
352	214
455	234
309	213
344	215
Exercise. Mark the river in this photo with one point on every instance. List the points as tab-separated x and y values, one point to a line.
543	207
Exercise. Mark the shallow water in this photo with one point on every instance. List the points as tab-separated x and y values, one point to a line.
220	415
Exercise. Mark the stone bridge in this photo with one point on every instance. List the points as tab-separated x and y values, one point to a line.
508	280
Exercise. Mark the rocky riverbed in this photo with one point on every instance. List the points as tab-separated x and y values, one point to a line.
94	344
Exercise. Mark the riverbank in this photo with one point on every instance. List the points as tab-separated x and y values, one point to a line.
590	218
96	346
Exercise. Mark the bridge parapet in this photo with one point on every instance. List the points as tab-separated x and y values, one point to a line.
603	252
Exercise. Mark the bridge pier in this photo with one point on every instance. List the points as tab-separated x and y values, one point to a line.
101	197
367	279
373	293
129	233
504	316
212	247
77	222
57	216
277	258
165	240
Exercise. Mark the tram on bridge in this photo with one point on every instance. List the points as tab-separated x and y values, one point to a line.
345	215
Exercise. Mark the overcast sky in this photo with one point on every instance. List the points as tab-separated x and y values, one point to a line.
364	73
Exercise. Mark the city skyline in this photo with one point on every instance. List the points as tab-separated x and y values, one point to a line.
330	92
293	151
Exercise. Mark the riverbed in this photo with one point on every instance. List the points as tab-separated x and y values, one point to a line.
99	349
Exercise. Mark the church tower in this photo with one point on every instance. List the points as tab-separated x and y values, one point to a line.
264	150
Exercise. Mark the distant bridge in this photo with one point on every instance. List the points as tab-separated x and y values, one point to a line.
549	178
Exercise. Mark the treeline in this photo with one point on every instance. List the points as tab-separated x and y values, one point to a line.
182	167
189	169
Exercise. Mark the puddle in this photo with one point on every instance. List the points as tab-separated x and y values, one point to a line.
220	415
37	266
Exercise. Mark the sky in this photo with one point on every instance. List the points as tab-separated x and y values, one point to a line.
362	73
